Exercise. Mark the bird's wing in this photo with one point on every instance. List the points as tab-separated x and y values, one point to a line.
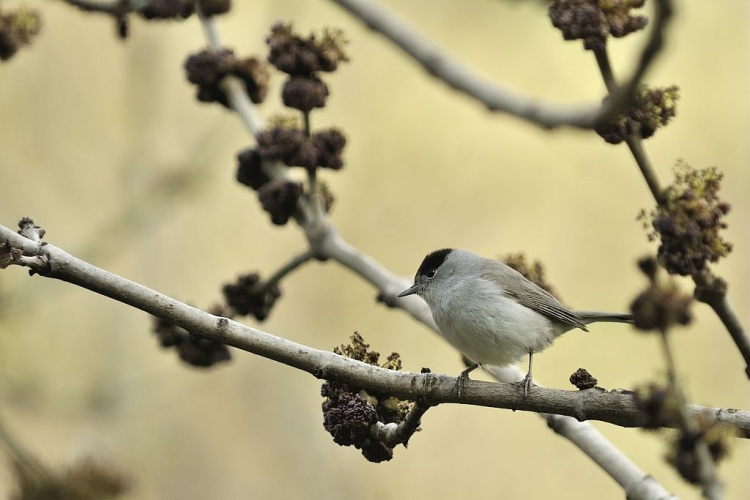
534	297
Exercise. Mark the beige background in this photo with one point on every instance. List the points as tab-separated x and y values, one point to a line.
103	145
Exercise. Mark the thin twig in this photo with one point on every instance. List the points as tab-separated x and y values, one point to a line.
723	308
394	434
287	268
605	67
312	178
635	144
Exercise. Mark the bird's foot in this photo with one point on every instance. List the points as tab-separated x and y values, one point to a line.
462	378
528	383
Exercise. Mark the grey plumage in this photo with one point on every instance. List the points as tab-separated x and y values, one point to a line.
490	312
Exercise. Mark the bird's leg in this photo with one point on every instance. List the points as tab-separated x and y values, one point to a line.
528	381
463	377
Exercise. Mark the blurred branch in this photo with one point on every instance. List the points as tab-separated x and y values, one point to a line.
496	97
712	291
688	423
716	296
614	407
287	268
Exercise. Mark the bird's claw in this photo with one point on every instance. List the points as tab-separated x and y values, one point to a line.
461	382
528	383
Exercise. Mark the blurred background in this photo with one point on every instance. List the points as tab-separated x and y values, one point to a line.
103	145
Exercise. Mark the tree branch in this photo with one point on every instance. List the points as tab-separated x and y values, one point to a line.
496	97
613	407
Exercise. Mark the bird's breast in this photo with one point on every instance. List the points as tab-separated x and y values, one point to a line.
489	327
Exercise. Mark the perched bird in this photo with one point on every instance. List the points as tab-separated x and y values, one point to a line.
491	313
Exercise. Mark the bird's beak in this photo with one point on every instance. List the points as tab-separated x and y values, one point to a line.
411	290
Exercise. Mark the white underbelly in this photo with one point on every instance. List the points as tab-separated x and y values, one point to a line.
501	337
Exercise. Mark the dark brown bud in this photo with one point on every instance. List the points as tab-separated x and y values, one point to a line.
255	75
195	351
582	379
689	220
651	109
28	229
329	145
287	144
203	353
167	9
215	7
18	27
593	21
279	199
713	292
209	67
250	168
661	306
247	296
304	93
295	55
658	404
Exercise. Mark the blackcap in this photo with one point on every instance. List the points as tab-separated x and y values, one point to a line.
490	312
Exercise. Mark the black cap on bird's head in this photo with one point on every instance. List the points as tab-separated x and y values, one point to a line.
427	270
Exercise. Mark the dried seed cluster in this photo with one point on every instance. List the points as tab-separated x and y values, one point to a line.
651	109
593	21
247	296
182	9
349	412
208	68
18	27
582	379
302	58
662	304
532	271
689	220
194	351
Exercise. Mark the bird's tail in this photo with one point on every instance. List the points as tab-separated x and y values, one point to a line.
606	317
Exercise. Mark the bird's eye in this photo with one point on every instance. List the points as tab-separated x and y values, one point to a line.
430	273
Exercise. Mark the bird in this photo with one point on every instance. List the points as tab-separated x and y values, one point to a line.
491	313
